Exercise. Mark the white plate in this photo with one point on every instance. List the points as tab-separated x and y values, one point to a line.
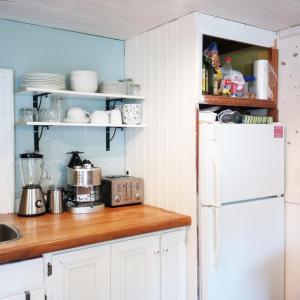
43	75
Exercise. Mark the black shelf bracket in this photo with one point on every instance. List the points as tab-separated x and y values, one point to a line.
38	130
107	129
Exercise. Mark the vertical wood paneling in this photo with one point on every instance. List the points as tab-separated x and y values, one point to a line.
7	150
166	63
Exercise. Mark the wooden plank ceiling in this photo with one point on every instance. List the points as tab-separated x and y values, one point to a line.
122	19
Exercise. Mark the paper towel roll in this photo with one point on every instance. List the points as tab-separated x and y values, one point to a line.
261	74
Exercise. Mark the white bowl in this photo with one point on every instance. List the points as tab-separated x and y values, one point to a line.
84	87
100	117
83	73
77	113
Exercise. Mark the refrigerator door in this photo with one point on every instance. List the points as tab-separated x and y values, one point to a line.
240	162
242	251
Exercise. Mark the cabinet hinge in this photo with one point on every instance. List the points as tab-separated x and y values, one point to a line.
49	269
27	295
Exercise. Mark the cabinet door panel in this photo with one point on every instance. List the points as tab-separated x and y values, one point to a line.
173	268
34	295
82	274
136	269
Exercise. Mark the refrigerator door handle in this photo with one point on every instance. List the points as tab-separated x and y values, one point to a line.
217	239
216	176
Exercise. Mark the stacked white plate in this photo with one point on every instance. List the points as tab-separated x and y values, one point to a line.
44	80
114	87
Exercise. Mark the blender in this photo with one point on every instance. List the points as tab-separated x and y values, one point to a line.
32	170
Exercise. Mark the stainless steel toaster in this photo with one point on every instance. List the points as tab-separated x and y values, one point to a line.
122	190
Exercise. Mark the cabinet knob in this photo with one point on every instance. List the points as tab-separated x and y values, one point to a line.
156	251
165	249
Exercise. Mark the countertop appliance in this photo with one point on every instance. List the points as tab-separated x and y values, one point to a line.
241	211
32	170
122	190
84	180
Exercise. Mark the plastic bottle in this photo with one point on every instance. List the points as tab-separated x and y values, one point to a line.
227	69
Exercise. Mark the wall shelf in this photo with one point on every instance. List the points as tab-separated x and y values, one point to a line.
72	94
37	95
237	102
62	124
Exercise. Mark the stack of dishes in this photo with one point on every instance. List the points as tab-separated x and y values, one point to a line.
44	80
84	81
114	87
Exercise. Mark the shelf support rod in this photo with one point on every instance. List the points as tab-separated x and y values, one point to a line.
107	102
36	128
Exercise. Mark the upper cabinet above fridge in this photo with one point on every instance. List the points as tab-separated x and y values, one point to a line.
239	65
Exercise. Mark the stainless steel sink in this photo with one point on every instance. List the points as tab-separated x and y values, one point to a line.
8	233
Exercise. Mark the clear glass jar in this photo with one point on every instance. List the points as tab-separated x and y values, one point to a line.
136	90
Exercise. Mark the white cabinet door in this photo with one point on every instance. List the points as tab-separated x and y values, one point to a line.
37	294
173	267
81	274
136	269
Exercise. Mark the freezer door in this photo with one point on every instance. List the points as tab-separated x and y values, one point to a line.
240	162
242	251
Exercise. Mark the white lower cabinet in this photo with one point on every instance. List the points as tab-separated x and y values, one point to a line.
22	280
147	267
135	269
173	266
38	294
80	274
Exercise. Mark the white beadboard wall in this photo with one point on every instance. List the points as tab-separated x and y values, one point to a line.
165	61
7	148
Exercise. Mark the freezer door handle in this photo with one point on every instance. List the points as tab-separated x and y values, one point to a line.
216	176
217	239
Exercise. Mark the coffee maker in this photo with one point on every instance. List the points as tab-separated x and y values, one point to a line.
33	171
83	180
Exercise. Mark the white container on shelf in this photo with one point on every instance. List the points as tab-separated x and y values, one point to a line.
261	74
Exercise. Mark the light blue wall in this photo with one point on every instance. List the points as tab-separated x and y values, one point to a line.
28	48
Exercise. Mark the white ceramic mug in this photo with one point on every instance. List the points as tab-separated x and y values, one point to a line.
132	114
115	117
100	117
77	114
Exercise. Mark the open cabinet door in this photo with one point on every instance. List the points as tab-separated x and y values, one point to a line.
7	148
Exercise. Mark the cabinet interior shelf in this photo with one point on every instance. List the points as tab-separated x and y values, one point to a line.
77	124
74	94
235	101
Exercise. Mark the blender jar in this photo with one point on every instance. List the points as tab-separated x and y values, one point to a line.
32	169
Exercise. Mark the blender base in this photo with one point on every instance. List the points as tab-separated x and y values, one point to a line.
84	208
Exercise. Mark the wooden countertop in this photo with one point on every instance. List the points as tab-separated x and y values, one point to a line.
52	232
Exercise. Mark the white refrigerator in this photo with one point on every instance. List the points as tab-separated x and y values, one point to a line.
241	211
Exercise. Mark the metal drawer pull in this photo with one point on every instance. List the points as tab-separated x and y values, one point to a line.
156	251
165	249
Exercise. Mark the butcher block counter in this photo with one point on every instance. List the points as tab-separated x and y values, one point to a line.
52	232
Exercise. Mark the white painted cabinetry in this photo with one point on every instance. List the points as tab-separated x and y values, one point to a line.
22	280
149	267
146	267
135	272
81	274
30	295
173	265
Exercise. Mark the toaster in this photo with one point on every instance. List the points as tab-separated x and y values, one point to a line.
122	190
